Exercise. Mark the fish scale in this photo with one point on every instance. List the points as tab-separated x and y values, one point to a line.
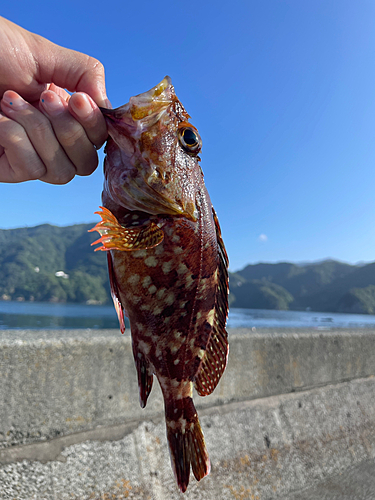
167	263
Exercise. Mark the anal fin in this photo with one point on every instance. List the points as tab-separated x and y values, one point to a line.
114	236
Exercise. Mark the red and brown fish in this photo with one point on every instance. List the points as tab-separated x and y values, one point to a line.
167	262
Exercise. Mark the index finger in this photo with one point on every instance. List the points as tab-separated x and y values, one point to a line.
83	108
70	69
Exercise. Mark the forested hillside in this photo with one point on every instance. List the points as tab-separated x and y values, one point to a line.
327	286
58	264
49	263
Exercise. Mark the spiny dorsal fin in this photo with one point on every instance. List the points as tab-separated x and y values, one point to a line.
213	363
114	236
216	355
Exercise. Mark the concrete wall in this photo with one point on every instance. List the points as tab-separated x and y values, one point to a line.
60	382
69	415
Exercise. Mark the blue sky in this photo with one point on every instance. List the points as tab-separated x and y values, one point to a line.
282	92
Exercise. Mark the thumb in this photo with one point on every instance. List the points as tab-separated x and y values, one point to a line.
70	69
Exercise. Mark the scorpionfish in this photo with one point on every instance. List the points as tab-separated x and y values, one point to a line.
167	263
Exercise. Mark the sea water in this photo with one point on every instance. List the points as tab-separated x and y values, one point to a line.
40	315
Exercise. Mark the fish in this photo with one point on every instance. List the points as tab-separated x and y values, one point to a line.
167	263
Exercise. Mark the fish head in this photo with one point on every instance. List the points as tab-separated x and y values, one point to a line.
152	161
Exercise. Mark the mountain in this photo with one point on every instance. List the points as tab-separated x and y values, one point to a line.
50	263
58	264
260	294
299	280
358	300
330	297
328	286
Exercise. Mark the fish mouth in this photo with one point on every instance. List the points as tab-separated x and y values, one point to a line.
153	101
142	110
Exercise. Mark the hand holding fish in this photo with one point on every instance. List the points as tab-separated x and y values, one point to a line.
45	133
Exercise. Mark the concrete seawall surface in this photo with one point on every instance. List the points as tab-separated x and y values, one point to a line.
293	407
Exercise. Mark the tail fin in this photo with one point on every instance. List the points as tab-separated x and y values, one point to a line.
186	442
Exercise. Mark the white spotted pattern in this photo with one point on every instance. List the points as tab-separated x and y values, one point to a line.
161	293
139	253
146	281
169	299
210	317
173	348
167	266
182	269
144	347
151	261
159	249
133	279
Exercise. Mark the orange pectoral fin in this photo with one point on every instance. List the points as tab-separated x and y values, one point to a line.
114	236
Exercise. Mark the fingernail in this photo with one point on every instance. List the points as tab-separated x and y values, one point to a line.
51	102
14	101
81	105
108	103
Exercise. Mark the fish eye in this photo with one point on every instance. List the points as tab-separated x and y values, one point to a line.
190	140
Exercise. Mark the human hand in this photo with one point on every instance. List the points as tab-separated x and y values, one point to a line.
47	134
53	143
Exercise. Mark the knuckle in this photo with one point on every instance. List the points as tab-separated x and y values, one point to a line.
36	172
31	169
11	132
15	138
64	176
41	127
96	65
70	136
89	167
